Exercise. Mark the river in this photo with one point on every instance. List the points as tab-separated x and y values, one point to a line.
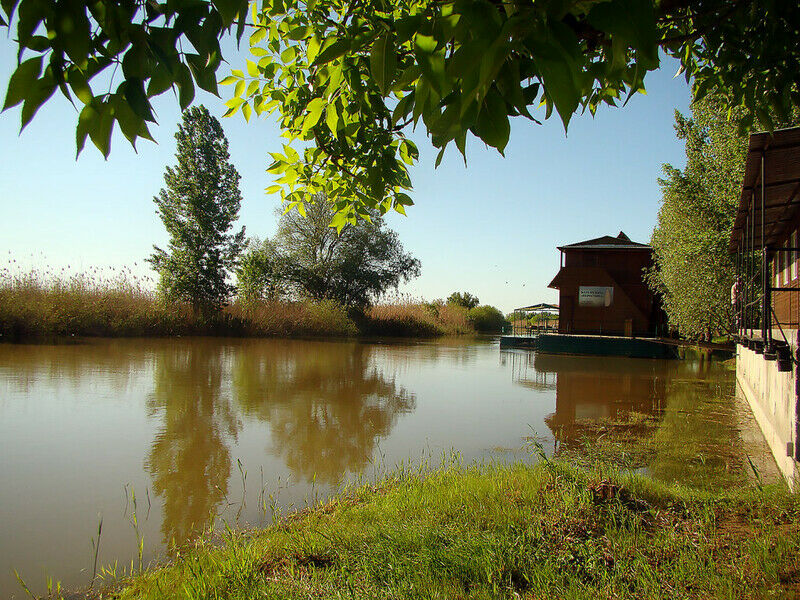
155	437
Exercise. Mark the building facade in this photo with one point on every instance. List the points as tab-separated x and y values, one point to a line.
602	290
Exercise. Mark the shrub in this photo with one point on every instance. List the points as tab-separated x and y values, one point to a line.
487	319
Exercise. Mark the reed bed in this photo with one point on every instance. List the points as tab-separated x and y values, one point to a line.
416	319
116	303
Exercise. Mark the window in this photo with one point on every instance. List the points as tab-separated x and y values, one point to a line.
775	271
786	262
793	255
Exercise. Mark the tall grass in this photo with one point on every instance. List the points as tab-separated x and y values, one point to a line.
416	319
40	304
116	303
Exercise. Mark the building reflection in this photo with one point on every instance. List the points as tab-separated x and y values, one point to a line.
189	460
589	388
327	405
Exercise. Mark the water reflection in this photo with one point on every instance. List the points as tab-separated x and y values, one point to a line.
591	388
326	410
176	415
190	459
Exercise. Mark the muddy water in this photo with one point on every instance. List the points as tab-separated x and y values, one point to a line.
160	437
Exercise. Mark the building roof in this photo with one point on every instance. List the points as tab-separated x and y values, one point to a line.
607	242
541	306
781	187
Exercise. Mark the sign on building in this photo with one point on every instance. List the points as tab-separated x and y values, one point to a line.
595	295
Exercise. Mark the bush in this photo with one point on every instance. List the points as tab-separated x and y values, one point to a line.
487	319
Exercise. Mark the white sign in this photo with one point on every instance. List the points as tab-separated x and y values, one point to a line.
594	295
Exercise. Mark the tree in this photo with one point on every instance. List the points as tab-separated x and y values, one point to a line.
464	299
693	271
258	274
353	267
349	78
198	207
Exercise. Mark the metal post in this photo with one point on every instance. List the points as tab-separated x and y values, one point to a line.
748	317
753	306
766	315
737	284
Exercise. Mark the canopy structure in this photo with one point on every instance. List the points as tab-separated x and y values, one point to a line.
538	307
769	210
522	320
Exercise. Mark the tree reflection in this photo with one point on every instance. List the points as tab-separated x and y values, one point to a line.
327	404
189	460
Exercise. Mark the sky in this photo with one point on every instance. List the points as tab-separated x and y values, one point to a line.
490	228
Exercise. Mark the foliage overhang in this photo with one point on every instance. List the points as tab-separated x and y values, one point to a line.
349	78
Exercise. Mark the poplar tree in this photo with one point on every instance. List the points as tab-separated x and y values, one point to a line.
693	270
198	206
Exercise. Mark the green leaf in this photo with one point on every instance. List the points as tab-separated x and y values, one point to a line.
258	35
314	108
22	80
332	119
87	120
383	62
80	86
403	199
228	10
634	21
425	43
556	54
492	125
230	79
38	95
137	99
100	129
246	111
204	74
185	87
289	54
332	49
439	157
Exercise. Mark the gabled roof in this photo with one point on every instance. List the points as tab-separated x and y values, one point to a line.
607	242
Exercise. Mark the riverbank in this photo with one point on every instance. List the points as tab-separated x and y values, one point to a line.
31	307
542	531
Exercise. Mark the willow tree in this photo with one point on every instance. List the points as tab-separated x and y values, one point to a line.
198	207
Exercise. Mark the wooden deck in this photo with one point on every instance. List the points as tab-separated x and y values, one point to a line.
594	345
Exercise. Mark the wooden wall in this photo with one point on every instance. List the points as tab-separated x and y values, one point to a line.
785	267
632	309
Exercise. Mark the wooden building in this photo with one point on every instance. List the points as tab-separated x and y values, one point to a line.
766	294
765	235
602	289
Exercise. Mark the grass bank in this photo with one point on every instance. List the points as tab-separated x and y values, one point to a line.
544	531
38	305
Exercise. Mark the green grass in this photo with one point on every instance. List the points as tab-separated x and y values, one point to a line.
544	531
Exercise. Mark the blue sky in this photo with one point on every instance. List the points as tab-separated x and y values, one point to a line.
490	228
